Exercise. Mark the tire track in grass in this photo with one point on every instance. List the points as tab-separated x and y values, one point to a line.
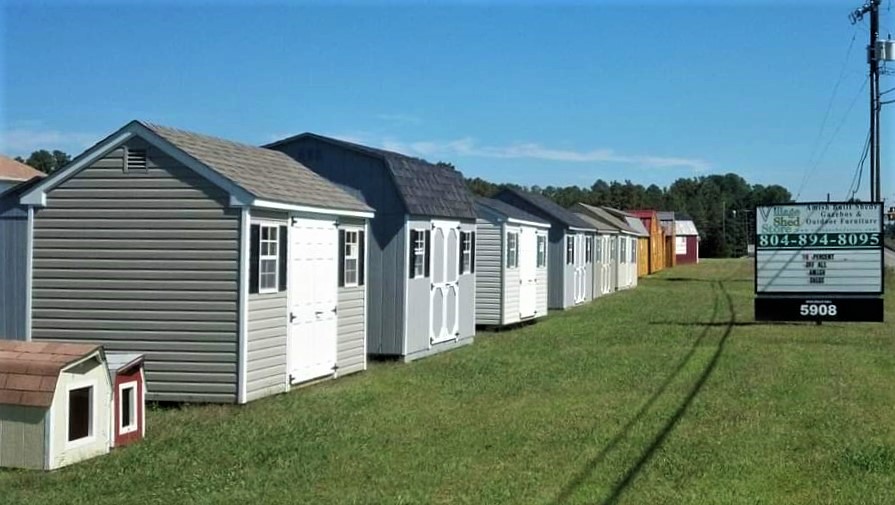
587	471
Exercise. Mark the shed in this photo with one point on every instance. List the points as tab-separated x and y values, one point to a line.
650	220
13	173
55	404
128	397
14	262
510	264
686	242
640	249
622	245
570	255
217	261
422	284
666	221
605	279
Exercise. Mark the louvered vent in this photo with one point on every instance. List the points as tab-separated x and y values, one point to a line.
136	159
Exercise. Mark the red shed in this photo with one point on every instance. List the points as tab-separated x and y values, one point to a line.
686	245
129	397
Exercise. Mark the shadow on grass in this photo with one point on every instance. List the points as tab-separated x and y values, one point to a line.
728	323
619	488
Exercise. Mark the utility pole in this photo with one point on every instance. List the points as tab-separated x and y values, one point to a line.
871	7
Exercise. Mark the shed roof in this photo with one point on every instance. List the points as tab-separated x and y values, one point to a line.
507	210
29	370
12	170
265	173
427	189
601	214
685	228
549	208
633	222
665	215
121	361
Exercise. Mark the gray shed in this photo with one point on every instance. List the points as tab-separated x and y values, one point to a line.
622	244
511	264
422	283
570	252
605	279
218	261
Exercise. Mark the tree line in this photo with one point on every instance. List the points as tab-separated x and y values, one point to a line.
46	161
721	206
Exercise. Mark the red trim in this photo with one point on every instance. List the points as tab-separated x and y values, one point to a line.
134	374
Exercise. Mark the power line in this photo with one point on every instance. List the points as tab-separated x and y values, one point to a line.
823	123
823	152
859	170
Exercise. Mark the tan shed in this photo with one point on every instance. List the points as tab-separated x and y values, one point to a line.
55	404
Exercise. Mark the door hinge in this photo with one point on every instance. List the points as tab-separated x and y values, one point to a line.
292	317
335	310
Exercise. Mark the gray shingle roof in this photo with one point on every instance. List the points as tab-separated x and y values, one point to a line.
633	222
265	173
507	210
599	216
549	208
427	189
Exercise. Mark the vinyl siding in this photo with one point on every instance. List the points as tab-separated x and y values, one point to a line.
143	261
543	283
266	360
488	270
13	268
556	263
350	355
23	437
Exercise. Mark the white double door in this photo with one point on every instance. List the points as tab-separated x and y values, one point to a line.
605	265
444	294
528	272
313	298
580	277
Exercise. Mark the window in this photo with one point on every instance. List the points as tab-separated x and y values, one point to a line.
623	254
589	249
598	251
350	257
512	250
570	250
267	279
467	252
127	407
634	250
267	258
419	253
542	251
80	413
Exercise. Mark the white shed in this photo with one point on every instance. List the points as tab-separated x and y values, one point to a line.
510	263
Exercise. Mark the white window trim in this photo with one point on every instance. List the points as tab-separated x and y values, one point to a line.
514	247
541	239
124	430
570	251
421	238
275	257
465	253
89	439
356	259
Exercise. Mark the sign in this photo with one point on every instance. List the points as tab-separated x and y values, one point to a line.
819	261
680	246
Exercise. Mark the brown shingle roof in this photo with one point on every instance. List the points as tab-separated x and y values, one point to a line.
28	370
12	170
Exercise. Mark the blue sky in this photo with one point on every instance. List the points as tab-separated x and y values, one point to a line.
534	93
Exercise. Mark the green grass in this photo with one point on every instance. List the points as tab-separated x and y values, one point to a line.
665	394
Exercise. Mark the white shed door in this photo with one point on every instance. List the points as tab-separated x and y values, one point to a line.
580	270
606	266
528	270
444	317
314	278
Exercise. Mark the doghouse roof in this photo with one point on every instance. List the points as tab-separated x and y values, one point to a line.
29	370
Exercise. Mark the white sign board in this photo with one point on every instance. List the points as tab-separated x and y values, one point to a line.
819	248
680	246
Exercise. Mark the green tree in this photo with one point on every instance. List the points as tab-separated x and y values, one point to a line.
46	161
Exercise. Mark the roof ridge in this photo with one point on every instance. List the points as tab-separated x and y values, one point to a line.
152	126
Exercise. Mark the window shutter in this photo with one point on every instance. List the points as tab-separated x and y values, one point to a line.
428	250
460	256
254	244
413	237
284	259
341	258
472	253
361	257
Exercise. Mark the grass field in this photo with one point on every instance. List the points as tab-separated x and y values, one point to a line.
669	393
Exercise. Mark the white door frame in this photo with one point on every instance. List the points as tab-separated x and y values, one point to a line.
528	272
448	282
580	276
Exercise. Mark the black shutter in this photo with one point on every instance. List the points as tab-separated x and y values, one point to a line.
413	238
361	257
254	244
284	259
462	242
428	250
341	258
472	253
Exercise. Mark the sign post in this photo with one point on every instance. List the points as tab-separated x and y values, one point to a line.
819	262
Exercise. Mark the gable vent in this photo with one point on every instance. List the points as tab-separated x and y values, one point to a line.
135	160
